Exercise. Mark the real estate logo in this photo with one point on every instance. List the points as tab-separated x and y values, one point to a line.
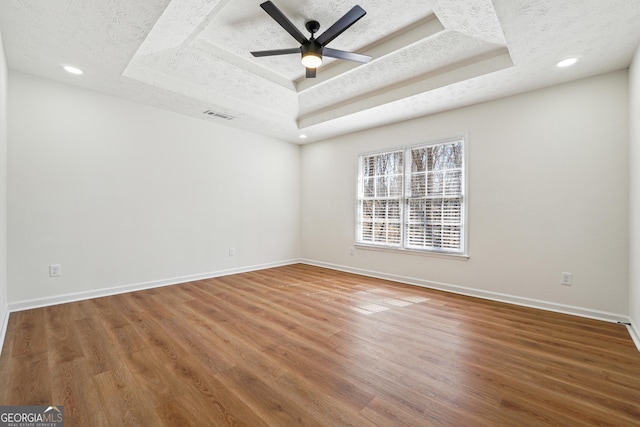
31	416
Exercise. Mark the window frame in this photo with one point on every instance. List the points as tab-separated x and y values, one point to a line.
406	154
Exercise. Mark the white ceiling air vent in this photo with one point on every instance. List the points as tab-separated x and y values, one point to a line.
218	115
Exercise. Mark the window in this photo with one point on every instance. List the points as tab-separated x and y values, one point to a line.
413	198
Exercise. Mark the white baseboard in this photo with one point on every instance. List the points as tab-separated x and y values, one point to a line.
479	293
79	296
634	332
4	325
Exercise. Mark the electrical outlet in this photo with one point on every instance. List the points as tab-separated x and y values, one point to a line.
566	279
352	251
55	270
232	251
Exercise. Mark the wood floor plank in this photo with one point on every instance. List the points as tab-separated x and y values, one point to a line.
149	367
193	410
199	344
129	403
154	335
148	302
385	412
62	340
29	334
110	314
73	388
29	380
265	400
127	339
304	345
225	408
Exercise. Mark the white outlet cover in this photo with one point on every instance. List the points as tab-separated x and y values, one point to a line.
55	270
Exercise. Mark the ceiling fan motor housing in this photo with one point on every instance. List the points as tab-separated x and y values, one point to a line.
312	48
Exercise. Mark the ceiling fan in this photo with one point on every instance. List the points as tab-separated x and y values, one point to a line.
313	49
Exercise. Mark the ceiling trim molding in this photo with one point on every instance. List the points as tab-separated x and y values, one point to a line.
486	63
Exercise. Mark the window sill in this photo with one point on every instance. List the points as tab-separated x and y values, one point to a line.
458	257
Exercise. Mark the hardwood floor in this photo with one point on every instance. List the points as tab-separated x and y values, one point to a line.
301	345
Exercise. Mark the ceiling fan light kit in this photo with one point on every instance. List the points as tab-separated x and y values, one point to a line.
312	50
311	54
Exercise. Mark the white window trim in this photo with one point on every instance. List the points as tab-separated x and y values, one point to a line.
464	255
418	252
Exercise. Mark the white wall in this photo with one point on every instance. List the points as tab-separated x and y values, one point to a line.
122	194
634	256
3	191
548	193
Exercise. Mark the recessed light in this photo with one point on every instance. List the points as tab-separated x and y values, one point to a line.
567	62
72	70
303	136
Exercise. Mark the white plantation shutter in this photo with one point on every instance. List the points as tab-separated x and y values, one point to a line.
380	199
413	198
434	198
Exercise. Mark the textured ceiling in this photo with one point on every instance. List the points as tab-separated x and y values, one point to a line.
192	56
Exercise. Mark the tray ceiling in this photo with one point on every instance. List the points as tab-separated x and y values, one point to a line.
192	56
